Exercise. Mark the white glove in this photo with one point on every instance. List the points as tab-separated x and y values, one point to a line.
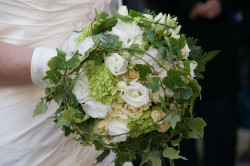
40	58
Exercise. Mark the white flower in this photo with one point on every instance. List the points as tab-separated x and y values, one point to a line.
121	85
193	66
157	114
117	111
123	10
116	127
169	92
127	32
185	51
158	17
135	94
70	45
116	64
133	112
80	89
155	97
163	19
154	54
148	16
85	45
163	127
95	109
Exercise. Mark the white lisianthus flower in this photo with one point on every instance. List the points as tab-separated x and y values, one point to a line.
121	85
153	53
127	32
70	45
116	127
135	94
80	89
116	111
193	66
157	114
133	112
155	97
85	45
116	64
123	10
185	51
95	109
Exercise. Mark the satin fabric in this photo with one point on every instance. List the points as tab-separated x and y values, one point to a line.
24	140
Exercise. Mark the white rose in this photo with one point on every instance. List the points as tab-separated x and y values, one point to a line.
121	85
127	32
103	125
116	64
123	10
117	111
157	114
80	89
85	45
70	45
163	127
133	112
135	94
116	127
185	51
95	109
155	97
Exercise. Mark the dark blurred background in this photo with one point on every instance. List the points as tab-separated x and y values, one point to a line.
225	105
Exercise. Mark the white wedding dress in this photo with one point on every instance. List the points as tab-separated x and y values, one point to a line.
26	141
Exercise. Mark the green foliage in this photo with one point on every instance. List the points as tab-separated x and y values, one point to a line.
125	19
174	79
108	40
173	119
155	159
197	128
140	124
103	155
172	154
153	84
40	108
143	70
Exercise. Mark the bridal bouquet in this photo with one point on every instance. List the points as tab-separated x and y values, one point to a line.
127	84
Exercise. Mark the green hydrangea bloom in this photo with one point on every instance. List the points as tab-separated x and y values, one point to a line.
86	32
103	85
140	123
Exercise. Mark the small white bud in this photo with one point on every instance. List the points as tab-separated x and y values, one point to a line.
158	17
163	19
126	55
123	10
148	16
121	85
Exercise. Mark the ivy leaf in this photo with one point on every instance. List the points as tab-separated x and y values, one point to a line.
108	40
102	156
61	122
163	103
125	19
186	64
70	63
150	36
172	154
68	114
145	158
181	42
154	84
133	13
40	108
177	141
122	158
156	160
165	53
135	49
98	61
174	79
197	125
55	62
173	119
143	70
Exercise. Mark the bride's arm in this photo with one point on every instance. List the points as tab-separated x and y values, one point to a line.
15	64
